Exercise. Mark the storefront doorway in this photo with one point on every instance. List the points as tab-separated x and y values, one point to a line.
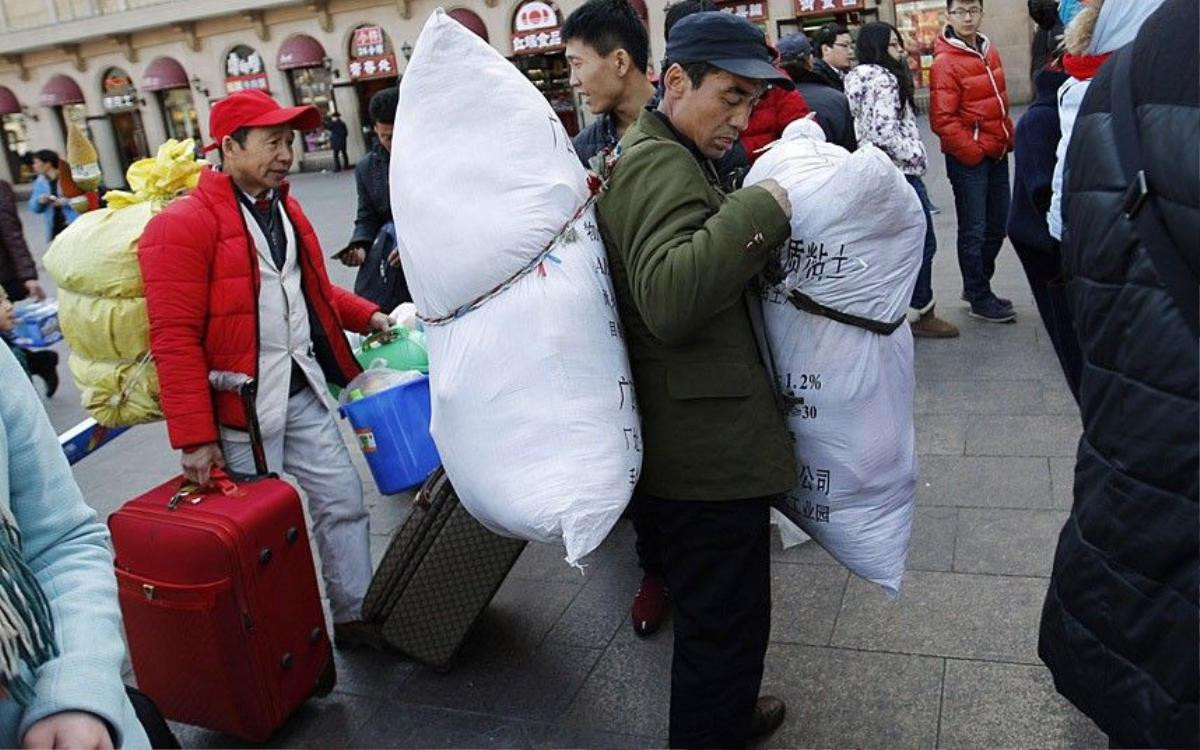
539	53
372	67
63	97
310	76
168	81
920	23
14	138
121	103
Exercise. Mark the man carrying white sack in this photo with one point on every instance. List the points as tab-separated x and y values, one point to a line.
716	447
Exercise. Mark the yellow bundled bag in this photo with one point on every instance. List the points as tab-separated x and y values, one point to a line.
101	301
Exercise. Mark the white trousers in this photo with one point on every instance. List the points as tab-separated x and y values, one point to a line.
312	451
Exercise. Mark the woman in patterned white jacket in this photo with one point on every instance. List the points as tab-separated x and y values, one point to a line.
880	92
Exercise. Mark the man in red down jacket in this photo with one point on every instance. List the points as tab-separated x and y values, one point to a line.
235	280
968	109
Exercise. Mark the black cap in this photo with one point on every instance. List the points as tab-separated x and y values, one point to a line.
725	41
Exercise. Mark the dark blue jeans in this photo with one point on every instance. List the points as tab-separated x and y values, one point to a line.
981	198
922	294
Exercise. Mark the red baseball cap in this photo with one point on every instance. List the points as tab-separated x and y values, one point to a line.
256	109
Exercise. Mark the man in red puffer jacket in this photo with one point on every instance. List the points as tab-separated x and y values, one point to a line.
968	109
235	280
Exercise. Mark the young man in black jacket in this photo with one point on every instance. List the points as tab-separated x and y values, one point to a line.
375	211
608	51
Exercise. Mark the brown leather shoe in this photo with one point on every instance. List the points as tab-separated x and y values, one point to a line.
358	634
930	326
768	715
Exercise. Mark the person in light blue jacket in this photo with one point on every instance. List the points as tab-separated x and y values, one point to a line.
47	198
60	665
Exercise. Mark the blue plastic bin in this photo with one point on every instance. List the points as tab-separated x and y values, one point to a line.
36	325
393	432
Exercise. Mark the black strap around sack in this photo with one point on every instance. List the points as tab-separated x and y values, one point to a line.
810	305
1139	205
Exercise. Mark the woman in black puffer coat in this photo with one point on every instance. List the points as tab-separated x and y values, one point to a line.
1120	630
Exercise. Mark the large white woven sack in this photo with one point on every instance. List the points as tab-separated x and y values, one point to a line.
857	237
533	408
482	172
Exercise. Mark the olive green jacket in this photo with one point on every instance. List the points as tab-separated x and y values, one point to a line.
681	253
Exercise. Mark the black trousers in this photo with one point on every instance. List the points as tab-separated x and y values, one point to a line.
343	162
716	557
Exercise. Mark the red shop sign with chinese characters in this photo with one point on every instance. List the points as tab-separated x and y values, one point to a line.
822	7
537	29
753	10
371	55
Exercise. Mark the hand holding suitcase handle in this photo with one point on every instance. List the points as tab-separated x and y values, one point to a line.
247	389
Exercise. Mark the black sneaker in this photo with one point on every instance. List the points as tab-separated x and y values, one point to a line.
1004	301
992	311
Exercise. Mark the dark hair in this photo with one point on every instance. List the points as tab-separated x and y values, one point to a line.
609	25
796	68
382	106
872	49
681	10
48	156
239	136
698	71
826	36
950	3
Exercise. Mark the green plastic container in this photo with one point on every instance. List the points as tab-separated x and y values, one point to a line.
406	351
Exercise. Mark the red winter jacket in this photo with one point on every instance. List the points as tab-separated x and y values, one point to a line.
200	270
968	104
775	111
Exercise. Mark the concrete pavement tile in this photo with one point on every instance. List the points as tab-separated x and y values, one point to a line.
407	726
1049	435
542	686
199	738
986	704
1062	478
508	633
379	544
841	698
933	536
805	601
983	481
941	434
557	737
545	562
630	688
387	512
327	722
946	614
979	397
601	607
1007	542
976	362
1057	397
370	674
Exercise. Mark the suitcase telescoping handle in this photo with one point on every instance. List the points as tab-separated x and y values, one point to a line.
247	389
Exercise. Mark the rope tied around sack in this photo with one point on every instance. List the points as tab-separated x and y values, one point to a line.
565	235
602	165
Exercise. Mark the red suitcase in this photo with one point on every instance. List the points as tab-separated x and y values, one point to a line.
220	599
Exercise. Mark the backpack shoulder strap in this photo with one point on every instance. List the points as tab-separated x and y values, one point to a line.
1139	205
